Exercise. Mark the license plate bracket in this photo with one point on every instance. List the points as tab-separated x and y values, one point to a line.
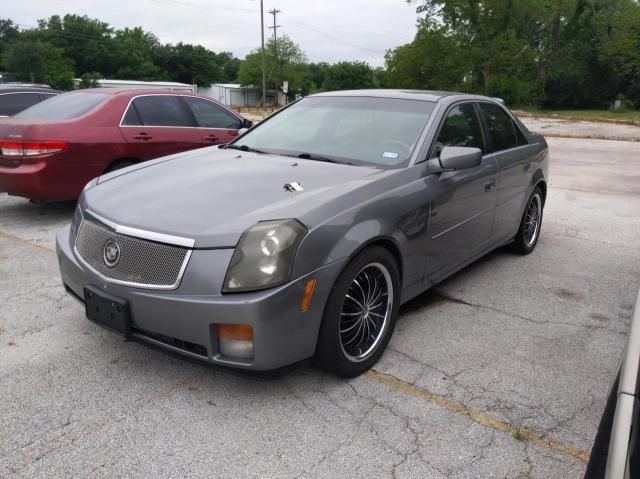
107	311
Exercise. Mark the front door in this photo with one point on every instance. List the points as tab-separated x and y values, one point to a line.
158	125
462	202
216	125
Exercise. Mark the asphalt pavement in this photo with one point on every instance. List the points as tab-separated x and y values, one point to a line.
501	371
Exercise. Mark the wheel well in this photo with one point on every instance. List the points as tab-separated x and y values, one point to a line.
392	248
120	160
543	187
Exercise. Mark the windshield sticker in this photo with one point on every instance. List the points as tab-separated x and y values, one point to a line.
390	155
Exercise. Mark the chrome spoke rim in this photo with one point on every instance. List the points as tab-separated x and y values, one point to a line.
366	311
532	219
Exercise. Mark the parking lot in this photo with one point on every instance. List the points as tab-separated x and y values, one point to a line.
501	371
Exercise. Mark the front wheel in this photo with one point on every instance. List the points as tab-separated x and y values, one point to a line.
360	314
530	224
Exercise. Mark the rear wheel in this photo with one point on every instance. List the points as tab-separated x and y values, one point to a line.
360	314
530	224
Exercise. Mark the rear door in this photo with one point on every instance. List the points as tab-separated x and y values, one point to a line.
216	124
514	157
15	102
158	125
463	201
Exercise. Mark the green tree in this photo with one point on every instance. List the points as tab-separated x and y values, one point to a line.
291	66
89	80
8	35
41	62
187	63
134	53
349	76
421	64
617	27
85	41
317	75
230	66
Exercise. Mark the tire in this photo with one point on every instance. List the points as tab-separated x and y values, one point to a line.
358	323
118	165
526	239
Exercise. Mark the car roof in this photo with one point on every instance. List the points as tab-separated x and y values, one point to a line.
26	89
422	95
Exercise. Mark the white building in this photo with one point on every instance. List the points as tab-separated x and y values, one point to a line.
235	95
159	85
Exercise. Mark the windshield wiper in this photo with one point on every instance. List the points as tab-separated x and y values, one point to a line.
245	148
314	157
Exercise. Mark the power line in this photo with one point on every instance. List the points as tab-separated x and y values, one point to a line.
327	35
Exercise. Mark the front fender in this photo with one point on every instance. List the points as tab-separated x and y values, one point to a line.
398	215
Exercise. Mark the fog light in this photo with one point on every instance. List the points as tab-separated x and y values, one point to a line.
235	340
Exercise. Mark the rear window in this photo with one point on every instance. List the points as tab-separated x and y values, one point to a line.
12	103
64	107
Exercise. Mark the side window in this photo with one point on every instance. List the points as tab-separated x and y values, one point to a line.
46	96
210	115
501	127
12	103
460	128
157	110
131	118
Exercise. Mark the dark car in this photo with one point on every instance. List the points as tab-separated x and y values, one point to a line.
616	449
50	151
14	99
302	237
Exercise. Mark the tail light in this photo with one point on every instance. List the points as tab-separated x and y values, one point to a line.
30	148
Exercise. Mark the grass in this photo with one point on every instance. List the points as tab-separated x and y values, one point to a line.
631	117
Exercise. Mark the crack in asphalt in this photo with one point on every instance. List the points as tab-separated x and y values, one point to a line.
32	453
591	327
17	239
457	407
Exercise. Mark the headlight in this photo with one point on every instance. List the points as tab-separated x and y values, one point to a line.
264	256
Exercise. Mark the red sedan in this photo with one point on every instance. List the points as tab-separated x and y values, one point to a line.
51	150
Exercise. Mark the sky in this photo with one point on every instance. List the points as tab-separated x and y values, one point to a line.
327	30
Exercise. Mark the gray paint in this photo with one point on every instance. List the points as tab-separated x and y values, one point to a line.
437	222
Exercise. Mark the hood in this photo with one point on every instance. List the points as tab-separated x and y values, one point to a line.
213	195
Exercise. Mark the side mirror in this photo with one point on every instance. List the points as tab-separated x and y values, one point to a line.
456	158
246	124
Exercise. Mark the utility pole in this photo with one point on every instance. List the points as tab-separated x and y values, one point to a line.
275	27
264	74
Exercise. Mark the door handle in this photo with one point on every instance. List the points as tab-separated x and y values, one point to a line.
489	186
142	136
211	138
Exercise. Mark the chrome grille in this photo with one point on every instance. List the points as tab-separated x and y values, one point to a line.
142	263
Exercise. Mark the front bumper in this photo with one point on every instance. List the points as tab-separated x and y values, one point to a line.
184	320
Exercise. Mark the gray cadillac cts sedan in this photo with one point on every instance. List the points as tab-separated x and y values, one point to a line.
303	237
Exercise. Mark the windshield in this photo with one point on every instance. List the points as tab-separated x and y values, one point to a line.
380	132
63	107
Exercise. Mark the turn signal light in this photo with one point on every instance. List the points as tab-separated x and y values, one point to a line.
13	148
308	291
235	340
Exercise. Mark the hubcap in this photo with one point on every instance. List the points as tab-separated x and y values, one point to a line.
533	216
366	312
